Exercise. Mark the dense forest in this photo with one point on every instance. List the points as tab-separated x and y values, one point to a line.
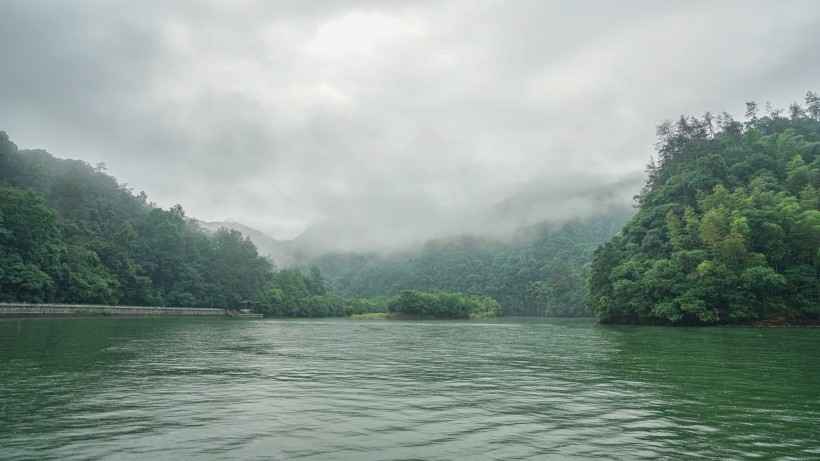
70	233
728	229
540	271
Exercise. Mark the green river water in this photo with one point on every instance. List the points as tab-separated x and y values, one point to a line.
153	388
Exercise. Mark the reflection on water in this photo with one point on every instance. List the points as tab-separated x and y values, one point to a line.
345	389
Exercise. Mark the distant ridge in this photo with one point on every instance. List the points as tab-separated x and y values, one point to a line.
277	250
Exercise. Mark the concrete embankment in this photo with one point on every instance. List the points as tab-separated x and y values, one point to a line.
81	310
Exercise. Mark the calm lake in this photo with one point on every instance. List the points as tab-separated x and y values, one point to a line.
113	388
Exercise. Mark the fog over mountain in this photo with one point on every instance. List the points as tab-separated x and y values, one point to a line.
556	202
378	122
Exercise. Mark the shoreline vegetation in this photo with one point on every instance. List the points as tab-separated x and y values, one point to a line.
402	317
415	304
397	316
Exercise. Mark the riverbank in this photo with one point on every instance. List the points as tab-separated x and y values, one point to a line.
399	316
785	322
371	316
88	310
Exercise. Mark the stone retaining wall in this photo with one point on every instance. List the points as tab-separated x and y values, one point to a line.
45	310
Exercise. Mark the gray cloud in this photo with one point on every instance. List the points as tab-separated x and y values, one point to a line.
383	115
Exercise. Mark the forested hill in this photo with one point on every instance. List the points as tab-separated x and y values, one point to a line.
70	233
542	271
728	229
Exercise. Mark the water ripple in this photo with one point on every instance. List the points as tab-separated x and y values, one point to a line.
339	389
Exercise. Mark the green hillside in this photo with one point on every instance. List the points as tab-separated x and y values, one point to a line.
542	271
728	229
70	233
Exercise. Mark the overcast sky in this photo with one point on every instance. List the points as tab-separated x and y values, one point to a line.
283	114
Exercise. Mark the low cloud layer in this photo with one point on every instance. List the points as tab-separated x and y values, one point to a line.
383	115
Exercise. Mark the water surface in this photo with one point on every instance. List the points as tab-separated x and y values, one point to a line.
113	388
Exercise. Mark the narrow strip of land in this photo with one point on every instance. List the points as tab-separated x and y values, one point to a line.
79	310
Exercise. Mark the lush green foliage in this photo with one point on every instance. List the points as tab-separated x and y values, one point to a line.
442	305
70	233
542	271
293	293
728	229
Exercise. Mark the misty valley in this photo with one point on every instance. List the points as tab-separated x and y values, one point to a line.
524	339
727	231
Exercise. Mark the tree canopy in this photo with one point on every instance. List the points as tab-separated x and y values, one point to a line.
728	229
442	305
70	233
